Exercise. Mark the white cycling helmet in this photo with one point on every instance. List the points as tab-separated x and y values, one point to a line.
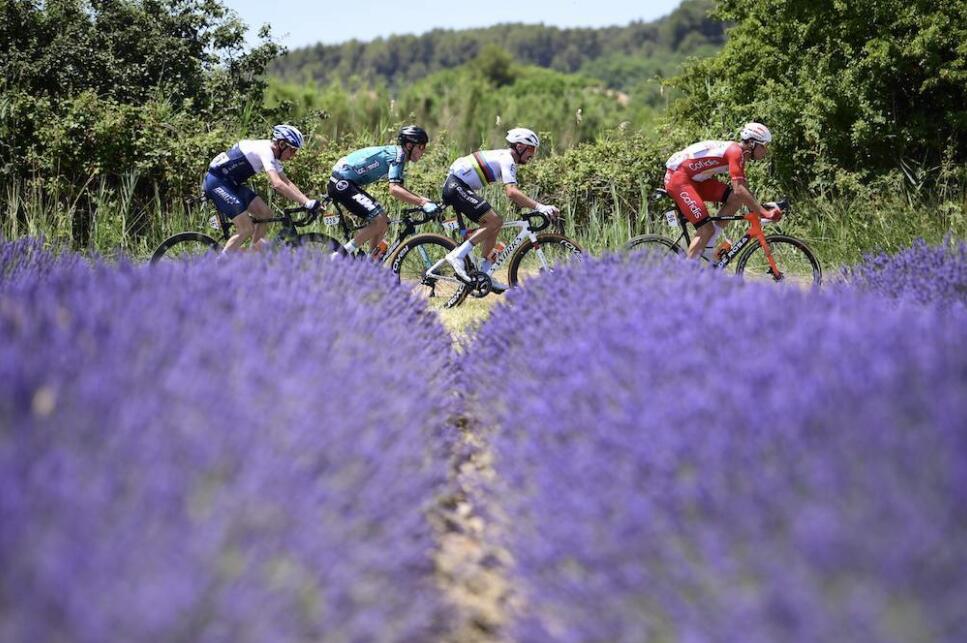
289	134
756	132
523	135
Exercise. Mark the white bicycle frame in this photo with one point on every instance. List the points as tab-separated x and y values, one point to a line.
522	236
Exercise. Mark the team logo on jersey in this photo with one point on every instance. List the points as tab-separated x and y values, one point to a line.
700	165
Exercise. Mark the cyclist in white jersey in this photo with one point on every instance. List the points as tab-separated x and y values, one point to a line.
225	182
474	171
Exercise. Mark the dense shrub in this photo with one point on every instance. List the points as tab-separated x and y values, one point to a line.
682	456
216	452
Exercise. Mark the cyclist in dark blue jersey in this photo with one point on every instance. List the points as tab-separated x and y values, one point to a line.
228	172
368	165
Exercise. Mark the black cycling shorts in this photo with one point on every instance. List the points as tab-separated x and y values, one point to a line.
461	198
354	198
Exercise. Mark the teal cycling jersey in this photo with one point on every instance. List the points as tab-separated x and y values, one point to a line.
371	164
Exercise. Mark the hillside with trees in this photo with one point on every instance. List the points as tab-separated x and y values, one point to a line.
621	56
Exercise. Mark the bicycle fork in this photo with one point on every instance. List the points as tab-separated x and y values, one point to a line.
755	230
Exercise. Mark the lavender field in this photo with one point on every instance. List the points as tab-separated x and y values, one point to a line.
216	452
690	458
261	448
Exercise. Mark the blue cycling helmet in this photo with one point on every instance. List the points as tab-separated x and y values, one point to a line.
289	134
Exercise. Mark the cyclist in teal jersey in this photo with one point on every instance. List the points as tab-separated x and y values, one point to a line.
371	164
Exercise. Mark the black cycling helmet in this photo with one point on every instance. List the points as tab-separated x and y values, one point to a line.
412	134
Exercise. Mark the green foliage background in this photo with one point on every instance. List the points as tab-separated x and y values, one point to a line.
110	110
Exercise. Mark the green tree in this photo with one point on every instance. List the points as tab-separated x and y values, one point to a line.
864	86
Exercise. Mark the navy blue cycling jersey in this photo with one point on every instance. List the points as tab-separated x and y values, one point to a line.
244	160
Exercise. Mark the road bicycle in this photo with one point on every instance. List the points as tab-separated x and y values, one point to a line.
186	245
189	244
775	257
421	261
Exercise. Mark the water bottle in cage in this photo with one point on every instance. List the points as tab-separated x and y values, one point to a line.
498	248
379	250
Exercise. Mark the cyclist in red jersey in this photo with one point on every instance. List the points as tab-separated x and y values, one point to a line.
689	179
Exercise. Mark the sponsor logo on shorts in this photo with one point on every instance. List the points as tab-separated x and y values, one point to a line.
692	205
364	201
227	196
342	184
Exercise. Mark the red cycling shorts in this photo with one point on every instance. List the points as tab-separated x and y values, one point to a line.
691	196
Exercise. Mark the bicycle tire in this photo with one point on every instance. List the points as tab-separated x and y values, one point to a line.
557	249
415	256
324	241
794	258
184	246
653	241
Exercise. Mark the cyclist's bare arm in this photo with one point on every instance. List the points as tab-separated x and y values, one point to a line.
397	191
741	190
281	184
518	197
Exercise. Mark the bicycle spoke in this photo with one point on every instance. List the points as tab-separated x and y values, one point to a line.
550	253
422	267
797	265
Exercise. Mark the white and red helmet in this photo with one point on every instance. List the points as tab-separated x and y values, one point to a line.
756	132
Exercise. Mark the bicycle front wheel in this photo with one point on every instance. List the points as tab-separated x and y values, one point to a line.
797	264
184	246
421	265
317	241
551	251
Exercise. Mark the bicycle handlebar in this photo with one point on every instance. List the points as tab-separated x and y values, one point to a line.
426	218
544	221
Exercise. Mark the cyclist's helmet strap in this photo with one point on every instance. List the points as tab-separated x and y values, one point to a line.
412	134
292	136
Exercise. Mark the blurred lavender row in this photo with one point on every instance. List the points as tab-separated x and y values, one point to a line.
923	273
684	457
235	450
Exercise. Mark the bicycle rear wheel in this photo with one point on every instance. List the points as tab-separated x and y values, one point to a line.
796	262
184	246
653	247
551	251
419	264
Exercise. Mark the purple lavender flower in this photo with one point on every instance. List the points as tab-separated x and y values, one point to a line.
922	273
239	450
684	456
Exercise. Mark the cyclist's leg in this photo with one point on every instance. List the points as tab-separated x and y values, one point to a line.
718	192
690	202
232	201
491	223
357	201
461	198
373	232
259	209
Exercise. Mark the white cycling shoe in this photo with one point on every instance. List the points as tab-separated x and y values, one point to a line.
457	263
497	286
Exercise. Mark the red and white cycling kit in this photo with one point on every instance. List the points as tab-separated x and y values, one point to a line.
689	176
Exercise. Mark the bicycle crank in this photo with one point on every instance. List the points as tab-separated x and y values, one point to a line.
480	284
